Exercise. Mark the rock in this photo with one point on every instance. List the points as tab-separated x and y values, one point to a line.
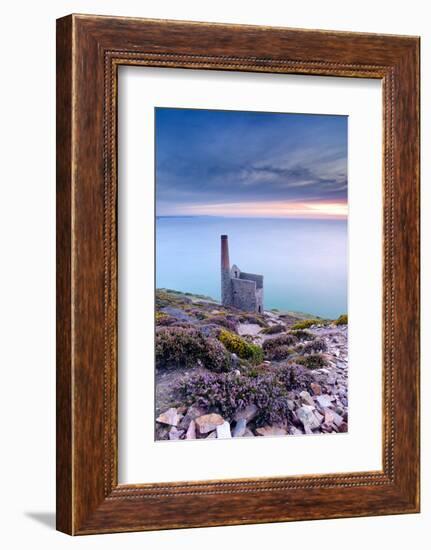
306	398
343	427
291	405
293	430
208	422
240	428
271	430
191	430
324	400
192	413
316	388
162	432
246	414
329	416
234	360
327	428
223	431
318	416
306	416
175	433
169	417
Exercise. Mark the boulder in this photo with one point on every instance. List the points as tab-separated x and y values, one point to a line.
247	414
208	422
306	398
324	400
192	413
175	433
191	430
316	388
240	428
170	417
306	416
271	430
223	431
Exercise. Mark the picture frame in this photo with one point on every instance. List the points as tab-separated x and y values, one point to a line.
89	51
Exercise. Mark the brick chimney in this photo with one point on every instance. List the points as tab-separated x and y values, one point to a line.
226	293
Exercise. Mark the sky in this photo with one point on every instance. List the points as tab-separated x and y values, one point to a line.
250	164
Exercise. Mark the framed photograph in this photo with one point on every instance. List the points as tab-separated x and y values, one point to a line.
237	274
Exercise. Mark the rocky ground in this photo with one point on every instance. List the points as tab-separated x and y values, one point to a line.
289	375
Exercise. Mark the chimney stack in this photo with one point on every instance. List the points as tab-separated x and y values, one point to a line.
226	294
224	253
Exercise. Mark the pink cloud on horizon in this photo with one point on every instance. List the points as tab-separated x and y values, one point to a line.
269	209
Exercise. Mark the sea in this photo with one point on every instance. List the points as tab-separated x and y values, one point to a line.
304	262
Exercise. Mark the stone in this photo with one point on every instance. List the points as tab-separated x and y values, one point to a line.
316	388
271	430
306	416
306	398
223	431
291	405
192	413
191	430
162	432
343	427
318	416
208	422
329	416
169	417
247	414
240	428
324	400
175	433
293	430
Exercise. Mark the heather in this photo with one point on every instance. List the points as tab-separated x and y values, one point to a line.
222	372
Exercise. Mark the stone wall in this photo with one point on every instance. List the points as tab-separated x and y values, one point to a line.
244	294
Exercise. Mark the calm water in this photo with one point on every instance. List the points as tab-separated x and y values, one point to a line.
304	262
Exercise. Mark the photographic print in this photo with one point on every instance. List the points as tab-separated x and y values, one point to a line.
251	318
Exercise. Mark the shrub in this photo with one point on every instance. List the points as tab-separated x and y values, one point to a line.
273	329
185	347
222	321
164	320
306	323
315	361
315	346
282	340
226	392
279	353
235	344
253	319
303	334
342	320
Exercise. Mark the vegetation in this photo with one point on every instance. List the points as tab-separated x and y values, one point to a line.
342	320
188	347
225	393
316	346
235	344
273	329
315	361
306	323
303	334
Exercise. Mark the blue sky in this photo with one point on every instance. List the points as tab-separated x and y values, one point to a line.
246	164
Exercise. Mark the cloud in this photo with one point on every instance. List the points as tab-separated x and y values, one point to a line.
205	157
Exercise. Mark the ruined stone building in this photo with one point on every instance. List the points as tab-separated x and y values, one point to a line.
238	288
